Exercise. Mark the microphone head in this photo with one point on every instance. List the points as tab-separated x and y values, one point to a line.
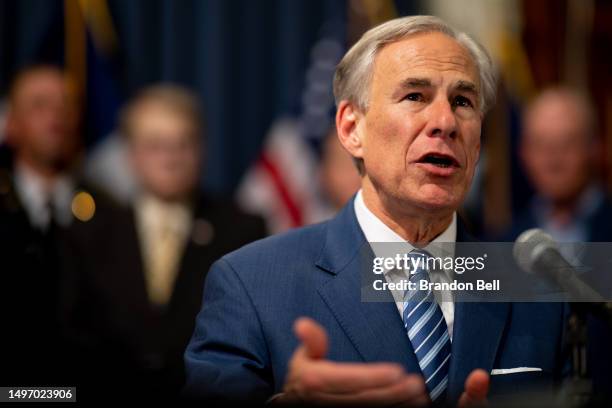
529	245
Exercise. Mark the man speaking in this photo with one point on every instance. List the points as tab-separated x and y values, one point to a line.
283	319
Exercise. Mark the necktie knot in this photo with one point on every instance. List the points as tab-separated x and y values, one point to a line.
418	272
420	263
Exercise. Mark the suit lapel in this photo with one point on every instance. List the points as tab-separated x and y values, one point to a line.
374	328
477	332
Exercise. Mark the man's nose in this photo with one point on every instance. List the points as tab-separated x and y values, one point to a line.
442	121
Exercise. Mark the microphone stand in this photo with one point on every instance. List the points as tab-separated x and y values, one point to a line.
578	390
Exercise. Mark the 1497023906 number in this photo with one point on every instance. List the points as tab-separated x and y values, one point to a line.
40	393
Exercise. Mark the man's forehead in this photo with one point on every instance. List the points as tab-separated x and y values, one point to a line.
39	82
152	114
424	55
552	117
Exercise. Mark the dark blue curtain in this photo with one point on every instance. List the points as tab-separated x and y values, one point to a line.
245	58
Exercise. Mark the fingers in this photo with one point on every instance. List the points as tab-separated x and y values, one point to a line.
330	377
476	389
311	378
477	384
409	391
312	336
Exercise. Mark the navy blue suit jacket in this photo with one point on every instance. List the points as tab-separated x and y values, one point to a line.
243	338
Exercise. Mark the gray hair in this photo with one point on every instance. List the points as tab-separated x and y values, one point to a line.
354	72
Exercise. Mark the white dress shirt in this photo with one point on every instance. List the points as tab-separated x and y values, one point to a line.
377	231
36	194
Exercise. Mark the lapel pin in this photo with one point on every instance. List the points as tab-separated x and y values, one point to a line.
203	232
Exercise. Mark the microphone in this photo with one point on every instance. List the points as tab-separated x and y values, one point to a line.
537	252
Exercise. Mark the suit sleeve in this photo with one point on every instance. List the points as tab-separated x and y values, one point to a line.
227	357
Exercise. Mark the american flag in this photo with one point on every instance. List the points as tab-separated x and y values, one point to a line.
282	185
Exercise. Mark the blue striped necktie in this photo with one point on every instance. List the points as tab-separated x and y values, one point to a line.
427	329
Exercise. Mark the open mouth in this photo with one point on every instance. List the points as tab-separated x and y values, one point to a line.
439	160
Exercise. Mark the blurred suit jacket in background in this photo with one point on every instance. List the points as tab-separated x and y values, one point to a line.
33	349
41	192
121	336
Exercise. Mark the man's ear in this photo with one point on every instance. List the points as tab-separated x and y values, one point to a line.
347	121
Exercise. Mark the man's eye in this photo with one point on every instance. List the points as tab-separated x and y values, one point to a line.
415	97
463	102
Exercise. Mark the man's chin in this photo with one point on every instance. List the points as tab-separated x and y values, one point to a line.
438	206
57	161
438	199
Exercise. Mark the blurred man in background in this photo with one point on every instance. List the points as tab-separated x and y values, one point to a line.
560	153
137	275
37	191
559	149
42	128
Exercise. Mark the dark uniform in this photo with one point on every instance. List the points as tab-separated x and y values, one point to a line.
33	347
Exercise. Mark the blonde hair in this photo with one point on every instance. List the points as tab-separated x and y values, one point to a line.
172	97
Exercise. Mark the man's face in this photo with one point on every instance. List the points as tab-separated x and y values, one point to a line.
42	121
421	133
165	151
556	149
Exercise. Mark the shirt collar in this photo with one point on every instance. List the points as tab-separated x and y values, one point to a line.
377	231
154	213
588	202
35	194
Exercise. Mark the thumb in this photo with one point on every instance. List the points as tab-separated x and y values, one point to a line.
476	389
313	337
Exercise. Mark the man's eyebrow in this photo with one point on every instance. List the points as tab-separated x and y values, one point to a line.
415	82
408	83
466	86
